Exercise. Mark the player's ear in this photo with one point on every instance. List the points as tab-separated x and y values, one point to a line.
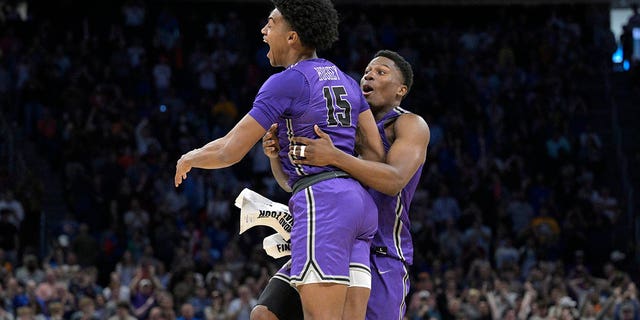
403	91
292	36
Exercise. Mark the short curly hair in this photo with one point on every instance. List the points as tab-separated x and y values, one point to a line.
403	65
315	21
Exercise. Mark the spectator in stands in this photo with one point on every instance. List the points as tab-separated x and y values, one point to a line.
215	311
142	298
445	207
123	312
29	270
520	212
187	312
240	307
56	311
86	311
115	291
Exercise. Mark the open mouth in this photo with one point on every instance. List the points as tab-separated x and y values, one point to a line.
367	89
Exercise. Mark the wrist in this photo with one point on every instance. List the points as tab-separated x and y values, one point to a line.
337	158
190	156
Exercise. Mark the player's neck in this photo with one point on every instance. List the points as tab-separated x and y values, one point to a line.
303	55
379	113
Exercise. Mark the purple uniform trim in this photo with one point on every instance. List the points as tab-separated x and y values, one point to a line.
334	223
389	275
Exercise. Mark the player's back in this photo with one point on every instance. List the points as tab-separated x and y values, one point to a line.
334	103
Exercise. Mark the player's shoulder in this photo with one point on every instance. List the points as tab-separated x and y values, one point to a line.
288	80
411	121
408	116
288	74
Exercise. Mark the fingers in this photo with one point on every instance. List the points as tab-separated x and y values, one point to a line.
302	149
298	154
267	138
181	172
270	144
177	180
298	151
271	152
271	133
297	148
301	161
319	132
302	140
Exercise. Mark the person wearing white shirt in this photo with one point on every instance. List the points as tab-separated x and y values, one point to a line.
240	307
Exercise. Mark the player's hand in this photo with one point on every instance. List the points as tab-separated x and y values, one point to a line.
314	152
182	168
270	142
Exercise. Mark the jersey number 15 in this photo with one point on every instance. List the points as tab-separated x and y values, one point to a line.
338	108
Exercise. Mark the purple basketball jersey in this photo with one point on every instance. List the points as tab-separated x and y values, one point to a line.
334	219
393	219
389	273
310	92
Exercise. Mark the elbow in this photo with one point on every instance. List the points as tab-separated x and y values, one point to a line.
393	187
391	192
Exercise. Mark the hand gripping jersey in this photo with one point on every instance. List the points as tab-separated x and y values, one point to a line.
310	92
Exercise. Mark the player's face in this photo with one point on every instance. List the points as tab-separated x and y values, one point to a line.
381	83
276	33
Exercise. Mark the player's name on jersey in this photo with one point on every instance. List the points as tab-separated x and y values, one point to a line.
327	73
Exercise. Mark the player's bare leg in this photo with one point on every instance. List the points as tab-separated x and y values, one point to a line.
323	301
355	306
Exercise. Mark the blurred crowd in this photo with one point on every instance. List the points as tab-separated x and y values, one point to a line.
514	218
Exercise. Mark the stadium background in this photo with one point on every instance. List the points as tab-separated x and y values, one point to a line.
528	187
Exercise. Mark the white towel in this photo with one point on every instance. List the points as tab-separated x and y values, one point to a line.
257	210
276	246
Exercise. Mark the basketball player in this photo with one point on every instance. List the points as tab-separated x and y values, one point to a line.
335	217
386	81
